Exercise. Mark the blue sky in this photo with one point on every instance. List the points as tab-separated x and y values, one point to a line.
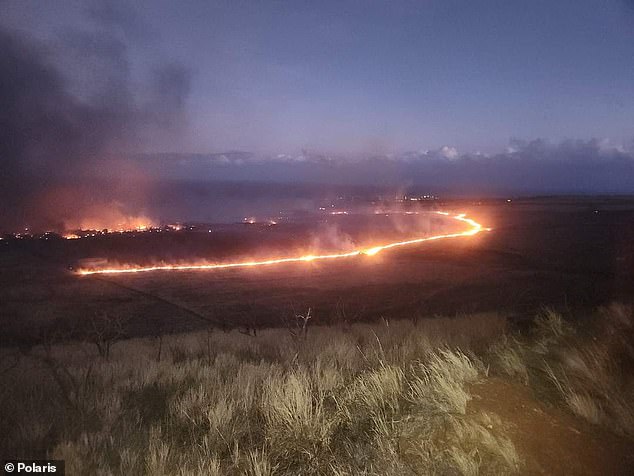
361	77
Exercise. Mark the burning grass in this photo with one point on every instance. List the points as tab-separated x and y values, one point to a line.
384	398
474	229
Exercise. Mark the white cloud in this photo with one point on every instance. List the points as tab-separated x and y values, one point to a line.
448	152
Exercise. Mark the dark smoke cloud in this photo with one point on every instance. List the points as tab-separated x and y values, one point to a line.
170	89
58	131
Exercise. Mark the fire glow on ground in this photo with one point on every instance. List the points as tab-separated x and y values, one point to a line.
474	228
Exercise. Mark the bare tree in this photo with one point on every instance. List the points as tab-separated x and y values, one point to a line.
104	331
299	328
297	325
74	387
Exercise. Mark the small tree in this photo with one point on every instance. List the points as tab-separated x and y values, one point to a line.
105	330
301	325
297	326
75	386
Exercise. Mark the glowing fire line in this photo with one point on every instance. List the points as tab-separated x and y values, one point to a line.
475	229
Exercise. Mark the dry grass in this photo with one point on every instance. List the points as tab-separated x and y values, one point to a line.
384	398
474	446
341	401
508	359
442	381
590	371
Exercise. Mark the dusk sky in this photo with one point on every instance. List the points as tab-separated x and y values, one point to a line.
467	97
363	76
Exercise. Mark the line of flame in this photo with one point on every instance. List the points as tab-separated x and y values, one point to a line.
474	229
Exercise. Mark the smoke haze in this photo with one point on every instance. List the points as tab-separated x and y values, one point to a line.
54	143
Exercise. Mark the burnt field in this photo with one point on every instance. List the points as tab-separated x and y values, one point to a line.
571	254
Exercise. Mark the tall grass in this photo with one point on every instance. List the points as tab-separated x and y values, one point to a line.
343	401
383	398
589	368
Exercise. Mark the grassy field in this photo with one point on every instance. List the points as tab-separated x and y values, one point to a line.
391	397
539	253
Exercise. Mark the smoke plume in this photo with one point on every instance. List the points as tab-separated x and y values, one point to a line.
63	140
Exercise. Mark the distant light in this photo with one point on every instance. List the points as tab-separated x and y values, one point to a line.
508	200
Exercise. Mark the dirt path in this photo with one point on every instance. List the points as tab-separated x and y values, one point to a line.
549	440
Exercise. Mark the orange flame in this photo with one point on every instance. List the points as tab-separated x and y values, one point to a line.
474	229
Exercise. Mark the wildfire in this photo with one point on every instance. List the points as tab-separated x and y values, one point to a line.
474	228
